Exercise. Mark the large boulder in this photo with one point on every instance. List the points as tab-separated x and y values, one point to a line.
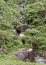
26	54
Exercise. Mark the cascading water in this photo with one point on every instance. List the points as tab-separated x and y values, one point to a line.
40	59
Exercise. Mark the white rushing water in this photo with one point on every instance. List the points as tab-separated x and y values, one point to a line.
40	59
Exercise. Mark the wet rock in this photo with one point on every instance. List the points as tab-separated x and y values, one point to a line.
21	19
22	55
22	28
22	5
31	55
25	54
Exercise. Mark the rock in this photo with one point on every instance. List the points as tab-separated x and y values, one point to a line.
22	55
25	54
21	19
22	5
21	35
22	28
31	55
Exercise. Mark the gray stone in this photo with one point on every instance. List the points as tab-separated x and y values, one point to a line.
25	54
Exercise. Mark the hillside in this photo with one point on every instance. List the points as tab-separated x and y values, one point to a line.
16	13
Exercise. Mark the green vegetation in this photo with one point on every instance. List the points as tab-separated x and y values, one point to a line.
34	15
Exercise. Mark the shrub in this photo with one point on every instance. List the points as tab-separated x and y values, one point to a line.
32	32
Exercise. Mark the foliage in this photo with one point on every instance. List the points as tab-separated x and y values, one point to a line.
34	15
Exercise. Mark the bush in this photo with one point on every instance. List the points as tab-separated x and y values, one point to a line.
41	42
32	32
5	38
